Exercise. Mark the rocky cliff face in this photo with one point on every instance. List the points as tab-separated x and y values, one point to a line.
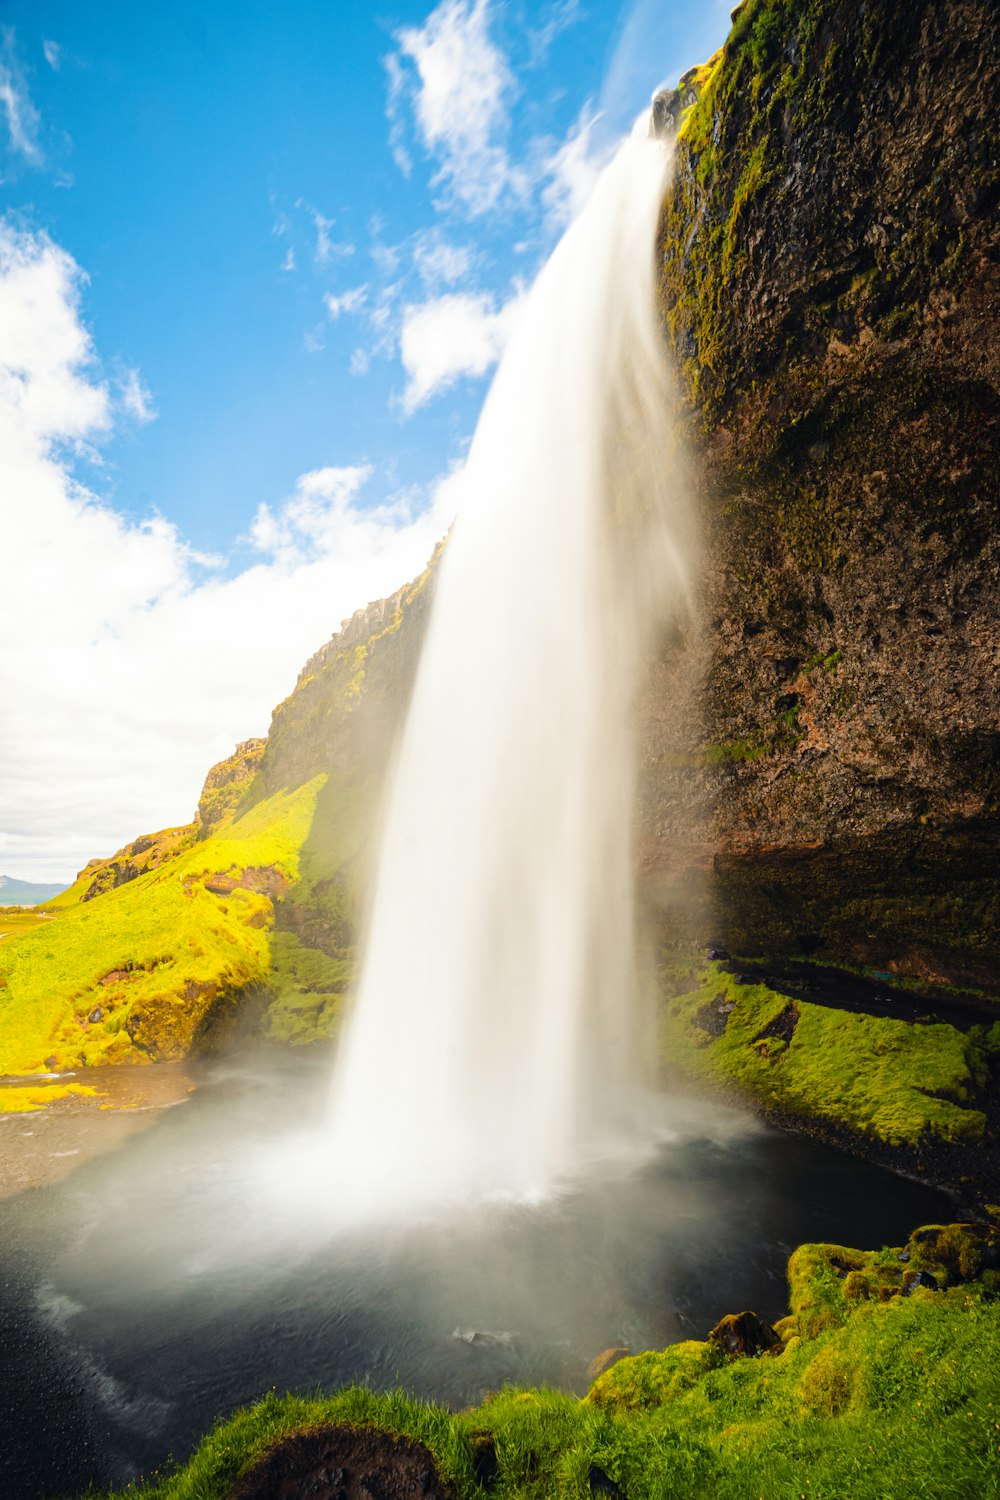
830	281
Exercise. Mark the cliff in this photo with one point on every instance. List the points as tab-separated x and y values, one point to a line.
830	282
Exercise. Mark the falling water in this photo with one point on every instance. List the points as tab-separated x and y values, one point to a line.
497	1037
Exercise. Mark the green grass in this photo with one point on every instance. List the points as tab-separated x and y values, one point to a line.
15	920
165	946
884	1396
882	1078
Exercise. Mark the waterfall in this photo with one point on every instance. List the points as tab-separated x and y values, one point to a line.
497	1033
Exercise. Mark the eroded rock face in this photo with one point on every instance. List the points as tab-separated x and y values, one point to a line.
227	782
225	787
830	281
341	1462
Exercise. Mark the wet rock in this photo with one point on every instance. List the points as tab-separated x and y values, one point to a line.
713	1018
605	1360
96	1015
913	1279
782	1028
665	109
601	1483
744	1333
341	1462
483	1337
485	1464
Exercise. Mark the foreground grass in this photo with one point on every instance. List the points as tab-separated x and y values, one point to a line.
130	976
890	1080
873	1395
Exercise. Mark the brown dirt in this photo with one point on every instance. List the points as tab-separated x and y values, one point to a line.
340	1462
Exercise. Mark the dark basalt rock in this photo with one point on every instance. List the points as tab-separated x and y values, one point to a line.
830	284
713	1018
914	1279
602	1484
341	1462
744	1333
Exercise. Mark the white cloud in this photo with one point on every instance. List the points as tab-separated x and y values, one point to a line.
288	264
460	100
53	54
319	514
351	301
572	171
126	666
22	116
553	22
326	246
438	261
136	400
449	337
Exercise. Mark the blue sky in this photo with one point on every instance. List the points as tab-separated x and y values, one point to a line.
258	263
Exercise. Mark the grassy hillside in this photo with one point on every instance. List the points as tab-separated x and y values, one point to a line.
132	975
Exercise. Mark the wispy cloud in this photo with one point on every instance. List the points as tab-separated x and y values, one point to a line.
327	248
460	98
443	340
53	54
351	301
136	399
572	170
438	261
119	613
554	20
22	117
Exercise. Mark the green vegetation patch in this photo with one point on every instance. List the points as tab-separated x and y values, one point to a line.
308	991
885	1079
892	1390
15	1101
131	975
313	954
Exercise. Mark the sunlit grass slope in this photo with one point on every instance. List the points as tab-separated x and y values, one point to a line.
875	1392
892	1081
131	975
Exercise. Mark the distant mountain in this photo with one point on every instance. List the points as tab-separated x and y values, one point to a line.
25	892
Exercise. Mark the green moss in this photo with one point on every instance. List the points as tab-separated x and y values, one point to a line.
796	80
881	1078
307	990
654	1378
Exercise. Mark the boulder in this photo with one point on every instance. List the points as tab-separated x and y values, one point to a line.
744	1333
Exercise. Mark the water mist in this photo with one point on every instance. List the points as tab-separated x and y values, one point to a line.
497	1034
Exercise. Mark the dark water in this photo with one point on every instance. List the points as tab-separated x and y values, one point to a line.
189	1272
